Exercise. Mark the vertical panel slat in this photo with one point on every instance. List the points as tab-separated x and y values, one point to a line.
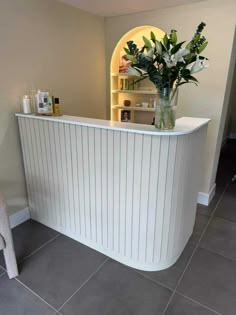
92	180
175	195
25	159
129	194
87	209
70	175
55	181
181	192
110	191
39	168
81	179
164	150
185	195
42	168
144	200
75	182
152	197
190	178
123	191
31	177
117	157
137	179
60	186
104	188
37	211
98	179
50	161
65	215
44	178
168	197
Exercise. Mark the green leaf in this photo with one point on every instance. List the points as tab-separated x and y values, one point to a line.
186	74
176	48
188	46
201	48
127	51
132	59
173	37
132	47
192	78
147	42
153	37
196	38
166	42
158	47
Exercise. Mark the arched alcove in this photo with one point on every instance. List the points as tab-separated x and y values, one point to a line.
138	94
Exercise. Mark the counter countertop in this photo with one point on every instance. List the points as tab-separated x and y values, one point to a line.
184	125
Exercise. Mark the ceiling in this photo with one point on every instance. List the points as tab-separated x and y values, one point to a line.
110	8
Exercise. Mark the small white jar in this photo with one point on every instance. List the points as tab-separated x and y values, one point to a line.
26	105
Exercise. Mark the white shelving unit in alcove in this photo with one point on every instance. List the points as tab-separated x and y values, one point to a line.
144	91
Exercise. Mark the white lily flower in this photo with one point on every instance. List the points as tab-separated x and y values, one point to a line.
180	54
170	60
198	65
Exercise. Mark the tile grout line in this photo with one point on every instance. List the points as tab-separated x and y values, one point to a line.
210	309
3	268
212	251
82	285
153	280
38	296
196	247
2	274
226	220
35	251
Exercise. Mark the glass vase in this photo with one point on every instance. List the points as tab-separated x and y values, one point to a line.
166	105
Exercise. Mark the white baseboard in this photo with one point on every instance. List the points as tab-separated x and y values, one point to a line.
205	199
19	217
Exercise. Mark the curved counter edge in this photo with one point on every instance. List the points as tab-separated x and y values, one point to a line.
184	125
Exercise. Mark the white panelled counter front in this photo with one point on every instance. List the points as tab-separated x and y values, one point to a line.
126	190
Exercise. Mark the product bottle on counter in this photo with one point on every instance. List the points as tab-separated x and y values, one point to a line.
50	105
26	105
56	107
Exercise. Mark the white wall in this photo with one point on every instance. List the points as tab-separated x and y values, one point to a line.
48	45
209	98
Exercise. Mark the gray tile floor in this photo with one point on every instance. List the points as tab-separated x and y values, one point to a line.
61	276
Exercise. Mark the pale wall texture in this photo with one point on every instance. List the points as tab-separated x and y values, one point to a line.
49	45
211	98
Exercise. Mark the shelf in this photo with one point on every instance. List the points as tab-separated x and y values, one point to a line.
153	92
126	75
134	108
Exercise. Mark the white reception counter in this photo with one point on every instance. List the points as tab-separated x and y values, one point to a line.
126	190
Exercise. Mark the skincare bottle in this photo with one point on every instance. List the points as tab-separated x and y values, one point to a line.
56	107
50	105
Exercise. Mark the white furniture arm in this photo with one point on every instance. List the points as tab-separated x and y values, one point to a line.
6	242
